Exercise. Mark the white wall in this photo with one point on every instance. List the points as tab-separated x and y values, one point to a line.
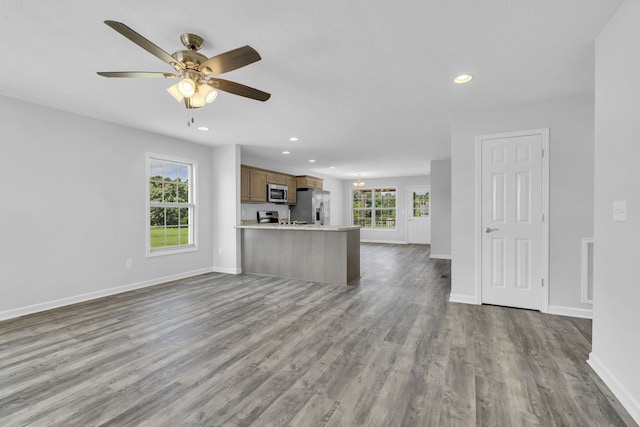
399	235
441	209
226	209
73	208
570	120
616	313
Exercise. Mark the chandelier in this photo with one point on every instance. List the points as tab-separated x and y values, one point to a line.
359	183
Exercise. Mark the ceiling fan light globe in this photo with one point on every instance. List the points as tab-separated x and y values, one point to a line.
187	87
211	96
173	90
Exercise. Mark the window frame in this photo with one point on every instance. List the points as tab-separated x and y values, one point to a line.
192	204
375	208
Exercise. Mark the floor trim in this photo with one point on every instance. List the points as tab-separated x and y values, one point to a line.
440	256
48	305
570	311
463	299
227	270
616	387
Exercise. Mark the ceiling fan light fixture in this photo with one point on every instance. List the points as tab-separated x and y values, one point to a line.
173	90
187	87
208	93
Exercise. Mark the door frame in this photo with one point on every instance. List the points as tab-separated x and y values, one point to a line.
408	188
544	133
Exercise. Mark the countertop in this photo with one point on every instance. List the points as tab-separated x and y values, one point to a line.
300	227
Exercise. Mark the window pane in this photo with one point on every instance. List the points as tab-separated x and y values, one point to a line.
173	215
421	203
183	173
156	217
172	236
155	191
156	168
183	193
157	237
170	171
184	216
183	235
170	192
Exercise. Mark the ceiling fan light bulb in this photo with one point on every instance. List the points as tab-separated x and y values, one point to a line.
187	87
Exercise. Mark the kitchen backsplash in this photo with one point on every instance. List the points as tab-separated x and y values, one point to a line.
248	211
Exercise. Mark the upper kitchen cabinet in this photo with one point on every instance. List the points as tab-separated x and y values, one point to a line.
276	178
307	181
253	185
291	190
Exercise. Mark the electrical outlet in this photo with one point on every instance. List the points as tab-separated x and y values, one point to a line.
620	210
129	262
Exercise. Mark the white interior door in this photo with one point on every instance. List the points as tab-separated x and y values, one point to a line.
512	219
418	214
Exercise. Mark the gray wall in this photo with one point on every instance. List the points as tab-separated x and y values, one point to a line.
73	208
570	120
441	209
616	342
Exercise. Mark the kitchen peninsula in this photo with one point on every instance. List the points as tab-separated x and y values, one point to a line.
316	253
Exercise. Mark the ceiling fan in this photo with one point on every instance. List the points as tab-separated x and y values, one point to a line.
197	86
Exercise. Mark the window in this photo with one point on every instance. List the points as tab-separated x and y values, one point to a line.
420	203
374	208
171	205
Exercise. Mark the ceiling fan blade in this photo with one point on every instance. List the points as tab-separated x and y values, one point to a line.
144	43
230	60
239	89
142	74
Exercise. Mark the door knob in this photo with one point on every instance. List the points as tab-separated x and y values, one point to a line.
490	230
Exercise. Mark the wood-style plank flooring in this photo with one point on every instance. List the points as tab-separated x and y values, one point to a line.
225	350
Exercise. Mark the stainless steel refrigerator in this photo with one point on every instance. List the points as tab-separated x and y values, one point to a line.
311	206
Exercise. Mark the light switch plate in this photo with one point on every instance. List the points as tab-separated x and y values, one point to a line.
620	210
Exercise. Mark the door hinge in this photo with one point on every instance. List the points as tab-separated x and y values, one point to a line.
542	152
542	217
541	282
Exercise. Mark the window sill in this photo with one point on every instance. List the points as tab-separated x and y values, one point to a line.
151	253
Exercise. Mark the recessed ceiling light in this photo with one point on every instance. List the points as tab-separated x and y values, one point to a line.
312	161
332	167
293	139
463	78
203	128
286	152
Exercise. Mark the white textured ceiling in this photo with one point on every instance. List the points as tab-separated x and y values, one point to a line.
366	85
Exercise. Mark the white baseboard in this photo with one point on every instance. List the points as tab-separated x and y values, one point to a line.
620	391
48	305
570	311
227	270
463	299
392	242
440	256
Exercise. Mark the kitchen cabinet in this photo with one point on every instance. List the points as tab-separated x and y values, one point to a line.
253	185
276	178
291	190
307	181
244	184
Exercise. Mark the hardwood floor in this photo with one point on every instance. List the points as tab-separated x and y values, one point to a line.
244	350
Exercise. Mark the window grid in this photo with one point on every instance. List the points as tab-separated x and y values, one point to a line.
374	208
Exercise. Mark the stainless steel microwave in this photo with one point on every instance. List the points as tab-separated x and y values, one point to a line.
277	193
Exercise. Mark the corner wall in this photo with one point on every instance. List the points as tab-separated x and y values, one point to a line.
616	341
441	209
570	120
73	209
